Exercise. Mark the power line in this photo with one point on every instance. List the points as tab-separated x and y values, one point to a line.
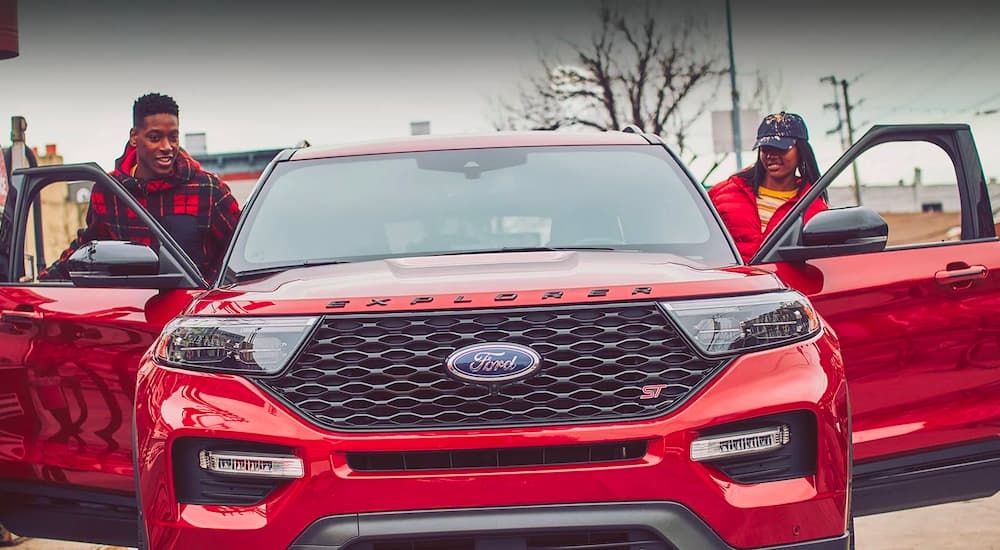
936	83
981	103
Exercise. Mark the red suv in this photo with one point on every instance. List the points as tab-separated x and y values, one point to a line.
527	341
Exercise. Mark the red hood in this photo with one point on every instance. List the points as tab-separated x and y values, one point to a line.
481	280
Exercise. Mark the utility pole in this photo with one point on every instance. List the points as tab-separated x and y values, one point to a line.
17	158
850	139
737	146
840	125
839	129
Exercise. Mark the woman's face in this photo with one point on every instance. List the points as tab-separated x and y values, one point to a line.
779	163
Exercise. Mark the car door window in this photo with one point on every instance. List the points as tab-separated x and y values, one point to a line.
56	215
912	185
53	221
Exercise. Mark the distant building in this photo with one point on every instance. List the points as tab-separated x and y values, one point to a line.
196	143
897	199
64	210
239	169
51	156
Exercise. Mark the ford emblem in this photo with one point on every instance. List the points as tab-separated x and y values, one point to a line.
492	363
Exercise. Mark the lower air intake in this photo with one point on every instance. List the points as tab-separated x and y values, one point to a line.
497	458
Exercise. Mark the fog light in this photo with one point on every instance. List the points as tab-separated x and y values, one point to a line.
740	443
252	465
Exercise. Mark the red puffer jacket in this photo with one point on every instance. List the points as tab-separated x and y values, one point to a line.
737	205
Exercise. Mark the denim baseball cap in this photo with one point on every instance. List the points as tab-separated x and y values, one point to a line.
780	130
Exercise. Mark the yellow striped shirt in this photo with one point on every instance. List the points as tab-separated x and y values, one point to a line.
769	201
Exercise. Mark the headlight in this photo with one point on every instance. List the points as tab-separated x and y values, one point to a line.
735	324
243	345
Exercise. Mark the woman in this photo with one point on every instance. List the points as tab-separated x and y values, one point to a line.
753	201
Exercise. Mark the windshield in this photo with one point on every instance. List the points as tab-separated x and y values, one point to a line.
474	200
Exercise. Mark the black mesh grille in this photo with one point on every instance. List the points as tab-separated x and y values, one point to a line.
387	372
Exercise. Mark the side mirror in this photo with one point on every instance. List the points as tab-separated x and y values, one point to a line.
839	232
118	264
113	258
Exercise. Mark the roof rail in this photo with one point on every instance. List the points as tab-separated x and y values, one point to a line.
655	138
651	139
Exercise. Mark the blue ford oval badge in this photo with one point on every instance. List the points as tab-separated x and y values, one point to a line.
491	363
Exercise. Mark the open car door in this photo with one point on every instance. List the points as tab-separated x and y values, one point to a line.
917	313
69	351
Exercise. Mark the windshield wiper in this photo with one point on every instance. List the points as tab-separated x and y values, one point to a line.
253	273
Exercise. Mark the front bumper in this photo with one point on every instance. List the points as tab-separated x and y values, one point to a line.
654	526
174	404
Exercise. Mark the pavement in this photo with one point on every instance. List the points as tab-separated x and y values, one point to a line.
971	525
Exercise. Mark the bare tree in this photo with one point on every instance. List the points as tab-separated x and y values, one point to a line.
635	70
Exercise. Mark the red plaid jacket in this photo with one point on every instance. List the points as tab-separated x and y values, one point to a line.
194	206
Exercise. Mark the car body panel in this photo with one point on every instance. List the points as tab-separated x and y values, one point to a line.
922	358
921	347
70	374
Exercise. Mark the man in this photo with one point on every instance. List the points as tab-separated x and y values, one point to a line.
193	205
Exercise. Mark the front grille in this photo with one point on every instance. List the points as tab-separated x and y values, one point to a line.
497	458
387	372
569	540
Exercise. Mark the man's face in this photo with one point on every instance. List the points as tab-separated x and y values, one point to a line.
156	145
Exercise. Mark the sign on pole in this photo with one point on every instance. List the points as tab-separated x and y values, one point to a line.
722	130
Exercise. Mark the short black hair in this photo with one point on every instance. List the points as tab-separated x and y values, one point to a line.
152	104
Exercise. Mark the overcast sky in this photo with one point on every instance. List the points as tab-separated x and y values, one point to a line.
256	74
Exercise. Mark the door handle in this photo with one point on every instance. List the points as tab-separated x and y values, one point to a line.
18	316
963	275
